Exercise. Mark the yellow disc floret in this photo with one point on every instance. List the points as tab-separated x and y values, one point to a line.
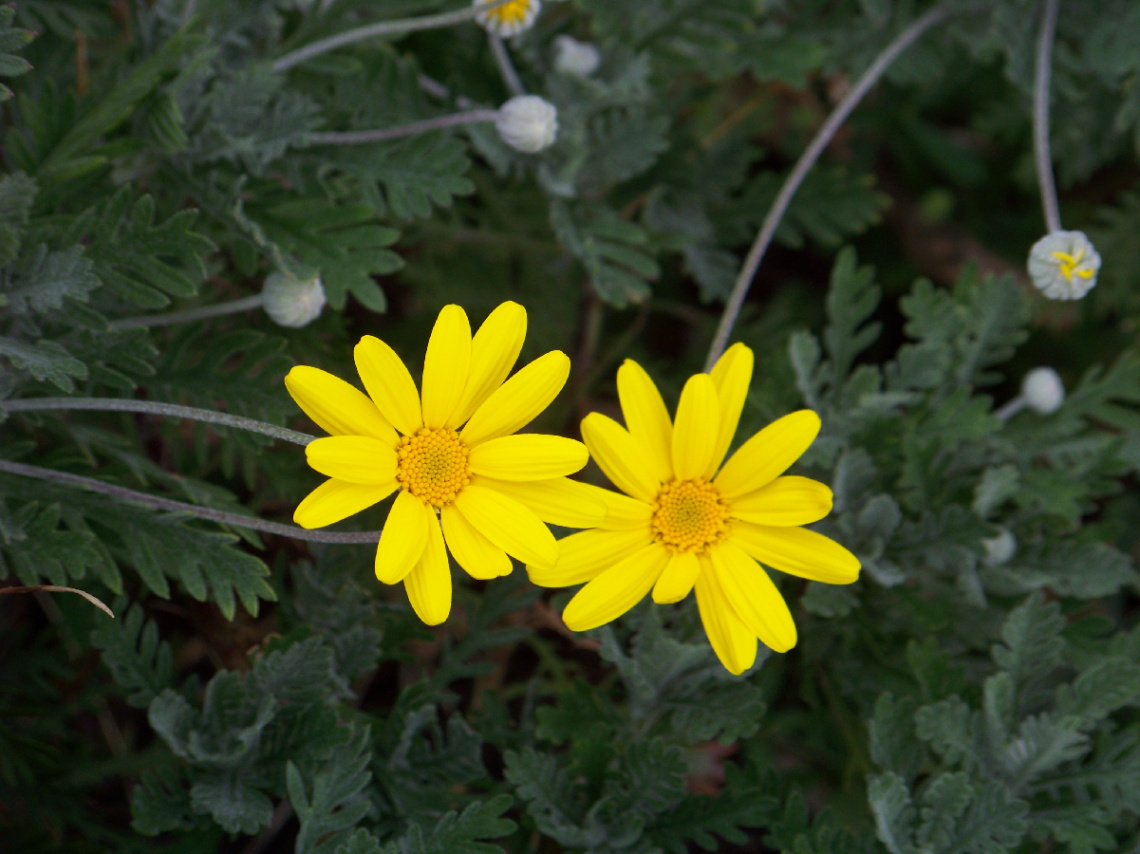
433	466
689	516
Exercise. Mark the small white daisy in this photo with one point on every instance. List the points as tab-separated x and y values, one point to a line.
510	19
1063	265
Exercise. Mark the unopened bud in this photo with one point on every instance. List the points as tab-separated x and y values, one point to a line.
1063	265
1043	391
527	123
574	57
1000	549
290	301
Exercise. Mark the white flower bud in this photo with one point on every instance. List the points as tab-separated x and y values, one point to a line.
1000	549
510	19
1043	391
1063	265
290	301
571	56
527	123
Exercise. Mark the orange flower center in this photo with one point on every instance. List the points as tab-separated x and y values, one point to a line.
689	516
433	466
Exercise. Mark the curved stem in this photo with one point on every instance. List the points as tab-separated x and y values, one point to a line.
55	588
112	404
359	137
506	67
190	314
1041	116
807	160
384	28
238	521
1011	408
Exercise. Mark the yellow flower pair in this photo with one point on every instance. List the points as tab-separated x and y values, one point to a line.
469	484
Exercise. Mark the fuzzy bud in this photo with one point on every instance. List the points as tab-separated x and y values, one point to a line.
1063	265
527	123
510	19
580	59
290	301
1043	391
1000	549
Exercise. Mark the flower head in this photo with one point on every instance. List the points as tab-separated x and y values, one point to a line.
1063	265
688	522
527	123
465	482
509	19
577	58
290	301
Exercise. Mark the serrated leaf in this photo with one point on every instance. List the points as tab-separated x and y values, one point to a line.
139	662
44	361
335	805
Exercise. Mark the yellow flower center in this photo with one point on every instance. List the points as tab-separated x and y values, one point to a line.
689	516
433	466
1068	265
511	13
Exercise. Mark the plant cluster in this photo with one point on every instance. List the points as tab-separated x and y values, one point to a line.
200	198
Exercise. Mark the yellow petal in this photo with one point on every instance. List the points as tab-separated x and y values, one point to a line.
494	350
334	500
403	539
732	641
622	511
445	365
797	551
754	597
336	406
508	524
620	457
479	557
559	501
677	579
698	425
519	400
784	502
429	583
616	590
587	555
732	375
389	384
768	454
530	456
357	459
646	417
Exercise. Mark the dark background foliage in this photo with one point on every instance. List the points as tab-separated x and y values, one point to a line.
259	694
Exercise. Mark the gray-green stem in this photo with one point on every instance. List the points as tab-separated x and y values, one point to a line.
807	160
238	521
360	137
506	67
383	28
191	314
1041	89
148	407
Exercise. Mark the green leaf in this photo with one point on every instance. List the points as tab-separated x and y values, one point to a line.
139	662
894	745
35	549
459	833
17	192
44	361
1032	645
1109	684
143	262
894	813
851	299
695	820
610	248
12	39
336	804
41	280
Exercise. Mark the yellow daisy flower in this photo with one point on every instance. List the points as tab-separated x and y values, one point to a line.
467	484
509	19
685	521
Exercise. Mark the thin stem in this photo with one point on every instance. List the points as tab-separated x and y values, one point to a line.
238	521
1011	408
190	314
1041	116
359	137
506	67
55	588
113	404
384	28
803	166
